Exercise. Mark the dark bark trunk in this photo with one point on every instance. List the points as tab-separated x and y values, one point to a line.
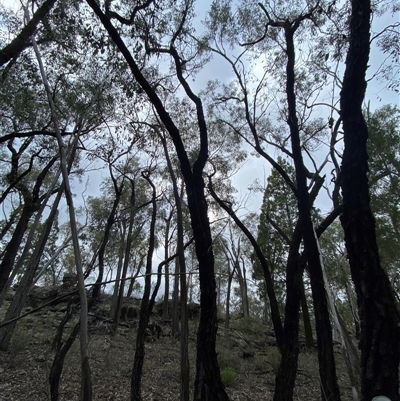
286	376
18	44
61	350
114	299
145	307
228	296
327	369
107	231
25	284
379	314
326	357
32	204
12	247
208	385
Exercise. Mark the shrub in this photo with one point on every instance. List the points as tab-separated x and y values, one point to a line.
228	377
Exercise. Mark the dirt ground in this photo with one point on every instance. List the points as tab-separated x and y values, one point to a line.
247	356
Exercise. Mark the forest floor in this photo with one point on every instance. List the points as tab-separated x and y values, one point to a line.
247	356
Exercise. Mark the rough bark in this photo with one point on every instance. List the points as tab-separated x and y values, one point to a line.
379	314
286	376
32	203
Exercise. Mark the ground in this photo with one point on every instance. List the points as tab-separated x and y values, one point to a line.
247	355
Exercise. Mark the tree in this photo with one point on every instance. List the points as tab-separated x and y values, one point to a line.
283	25
379	313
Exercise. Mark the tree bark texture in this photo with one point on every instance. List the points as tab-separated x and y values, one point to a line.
379	314
286	376
208	385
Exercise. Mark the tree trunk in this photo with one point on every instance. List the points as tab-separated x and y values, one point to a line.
306	321
114	299
127	252
349	352
208	385
184	339
14	48
228	295
326	358
25	284
145	308
61	350
13	246
286	376
379	314
86	385
107	231
275	314
327	369
175	302
166	269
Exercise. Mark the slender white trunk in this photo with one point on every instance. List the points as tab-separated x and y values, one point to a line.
86	392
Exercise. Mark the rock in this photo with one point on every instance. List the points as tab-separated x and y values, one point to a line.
61	307
41	295
248	354
40	358
69	281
